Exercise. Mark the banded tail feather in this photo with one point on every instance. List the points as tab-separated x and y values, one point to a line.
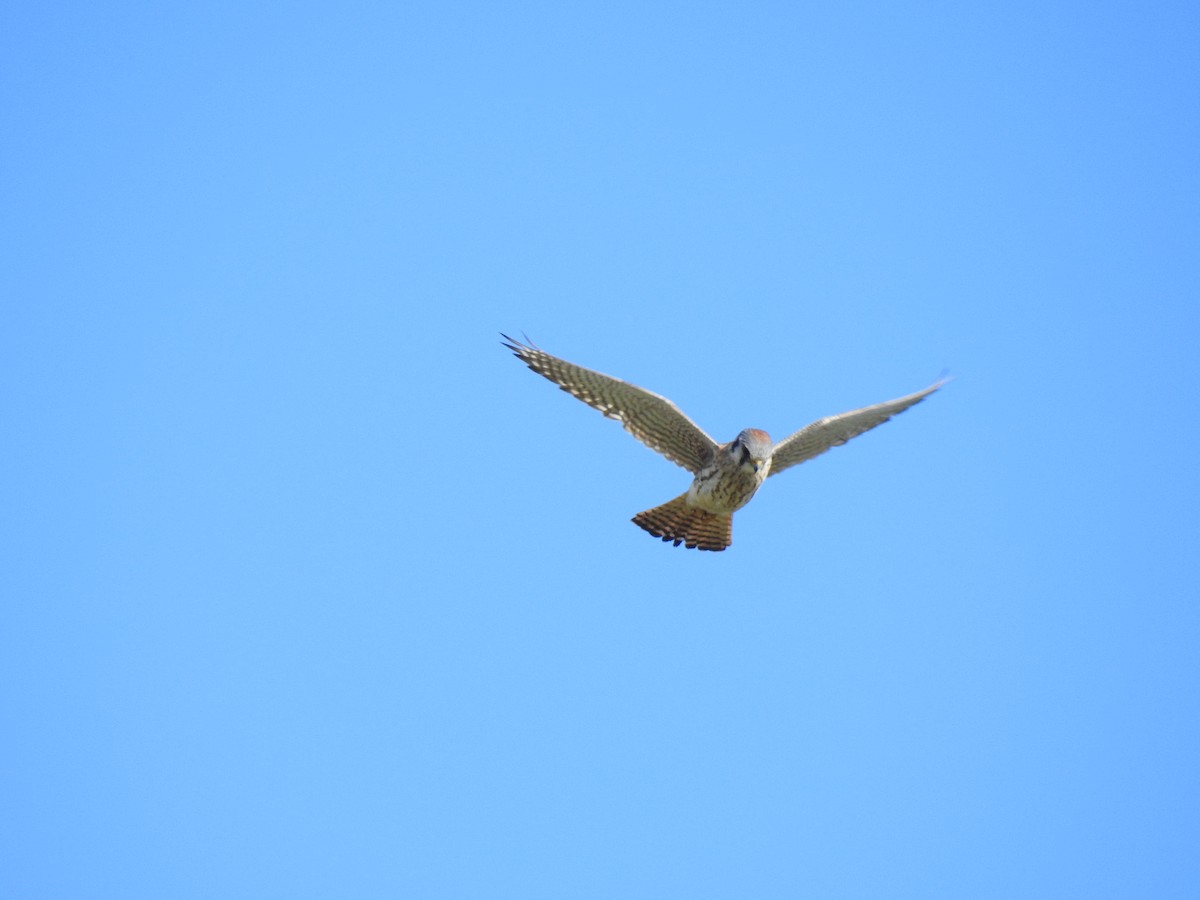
691	526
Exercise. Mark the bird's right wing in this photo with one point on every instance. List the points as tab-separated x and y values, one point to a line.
832	431
655	421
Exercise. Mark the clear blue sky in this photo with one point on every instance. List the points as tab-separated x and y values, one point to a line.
311	590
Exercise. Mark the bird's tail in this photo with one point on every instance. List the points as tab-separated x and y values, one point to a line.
688	525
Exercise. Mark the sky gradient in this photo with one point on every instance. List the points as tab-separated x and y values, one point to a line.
312	590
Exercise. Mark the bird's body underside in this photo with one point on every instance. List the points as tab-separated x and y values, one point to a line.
703	517
726	475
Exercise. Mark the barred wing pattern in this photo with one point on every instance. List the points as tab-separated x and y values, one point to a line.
833	431
655	421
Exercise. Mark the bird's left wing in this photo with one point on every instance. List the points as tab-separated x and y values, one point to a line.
832	431
655	421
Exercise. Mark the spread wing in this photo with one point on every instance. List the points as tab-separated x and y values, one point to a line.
655	421
832	431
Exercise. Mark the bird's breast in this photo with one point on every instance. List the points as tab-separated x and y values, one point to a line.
724	489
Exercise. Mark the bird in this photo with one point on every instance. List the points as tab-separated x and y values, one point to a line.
726	476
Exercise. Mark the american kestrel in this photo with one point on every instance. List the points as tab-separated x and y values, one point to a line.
727	475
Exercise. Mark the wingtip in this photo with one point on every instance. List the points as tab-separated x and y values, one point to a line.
516	346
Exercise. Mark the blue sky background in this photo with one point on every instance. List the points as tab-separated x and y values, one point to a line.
312	590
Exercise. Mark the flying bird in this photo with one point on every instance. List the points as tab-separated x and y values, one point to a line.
726	475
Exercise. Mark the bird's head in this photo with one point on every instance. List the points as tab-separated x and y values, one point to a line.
752	449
